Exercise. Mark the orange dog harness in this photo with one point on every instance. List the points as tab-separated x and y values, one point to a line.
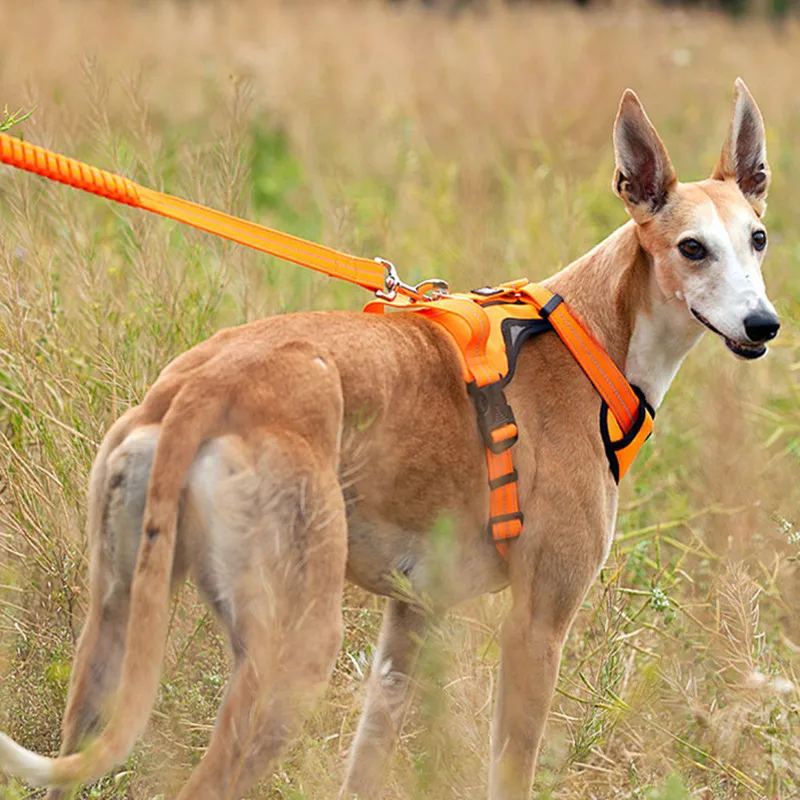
488	327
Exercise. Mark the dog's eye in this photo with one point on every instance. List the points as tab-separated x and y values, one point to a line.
759	240
692	249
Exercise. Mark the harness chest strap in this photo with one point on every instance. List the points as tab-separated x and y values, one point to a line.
488	327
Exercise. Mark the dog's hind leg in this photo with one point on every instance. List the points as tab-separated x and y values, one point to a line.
387	698
275	573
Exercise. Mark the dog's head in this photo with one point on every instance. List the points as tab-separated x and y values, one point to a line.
706	240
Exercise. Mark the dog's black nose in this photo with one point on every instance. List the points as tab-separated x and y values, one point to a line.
761	326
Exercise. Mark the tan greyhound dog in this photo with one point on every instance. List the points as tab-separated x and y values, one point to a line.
277	459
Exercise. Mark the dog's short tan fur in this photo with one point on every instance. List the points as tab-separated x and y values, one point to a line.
279	458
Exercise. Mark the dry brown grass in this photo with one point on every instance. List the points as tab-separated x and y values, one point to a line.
476	148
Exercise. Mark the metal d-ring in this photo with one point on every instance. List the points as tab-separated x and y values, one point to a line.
432	288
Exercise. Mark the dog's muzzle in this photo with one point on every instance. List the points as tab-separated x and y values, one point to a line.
760	327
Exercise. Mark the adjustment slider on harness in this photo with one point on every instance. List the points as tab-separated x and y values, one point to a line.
504	480
550	306
496	420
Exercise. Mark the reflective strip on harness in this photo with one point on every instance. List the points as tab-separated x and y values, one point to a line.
488	327
595	362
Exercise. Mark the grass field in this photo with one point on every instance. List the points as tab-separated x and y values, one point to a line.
477	149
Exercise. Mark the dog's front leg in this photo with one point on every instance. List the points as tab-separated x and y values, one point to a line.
531	651
545	599
387	699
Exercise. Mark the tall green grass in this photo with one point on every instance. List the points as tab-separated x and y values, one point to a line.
475	149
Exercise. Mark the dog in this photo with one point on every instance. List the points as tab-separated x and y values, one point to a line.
277	459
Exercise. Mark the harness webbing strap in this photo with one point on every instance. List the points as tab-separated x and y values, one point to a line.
24	155
505	518
610	383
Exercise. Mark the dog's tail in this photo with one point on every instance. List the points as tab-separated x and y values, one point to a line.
190	419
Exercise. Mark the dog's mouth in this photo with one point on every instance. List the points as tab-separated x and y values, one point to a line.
745	350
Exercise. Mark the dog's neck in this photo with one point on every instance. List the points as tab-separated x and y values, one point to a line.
614	291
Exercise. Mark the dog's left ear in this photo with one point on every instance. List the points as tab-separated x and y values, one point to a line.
744	155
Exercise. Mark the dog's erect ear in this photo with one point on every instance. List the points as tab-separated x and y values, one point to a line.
744	155
644	176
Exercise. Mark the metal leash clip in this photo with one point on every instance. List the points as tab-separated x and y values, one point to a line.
429	289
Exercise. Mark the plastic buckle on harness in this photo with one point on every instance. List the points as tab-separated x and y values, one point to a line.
496	420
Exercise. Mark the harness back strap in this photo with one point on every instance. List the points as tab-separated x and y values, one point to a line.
488	327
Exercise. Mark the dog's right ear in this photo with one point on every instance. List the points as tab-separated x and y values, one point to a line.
644	175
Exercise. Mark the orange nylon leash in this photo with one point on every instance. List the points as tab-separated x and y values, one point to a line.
364	272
